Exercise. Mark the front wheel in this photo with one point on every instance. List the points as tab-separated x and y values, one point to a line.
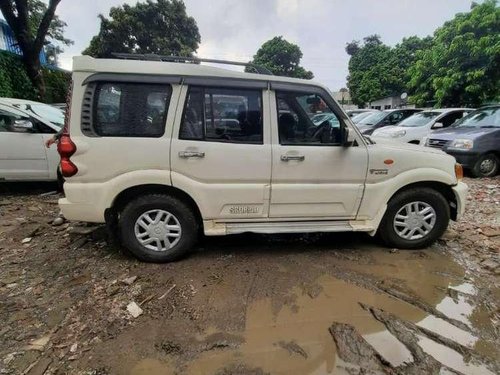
486	166
414	219
158	228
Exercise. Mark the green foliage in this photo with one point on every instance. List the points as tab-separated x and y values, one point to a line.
14	82
377	70
462	66
55	34
282	58
159	27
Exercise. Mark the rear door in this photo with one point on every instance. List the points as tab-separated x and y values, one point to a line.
221	152
22	151
313	175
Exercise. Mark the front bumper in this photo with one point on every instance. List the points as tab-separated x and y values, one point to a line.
467	158
460	191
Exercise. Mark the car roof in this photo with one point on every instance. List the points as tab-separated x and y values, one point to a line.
92	65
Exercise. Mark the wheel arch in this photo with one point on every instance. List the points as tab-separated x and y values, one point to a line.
440	187
125	196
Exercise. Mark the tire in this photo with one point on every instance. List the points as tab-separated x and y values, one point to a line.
149	206
426	197
486	166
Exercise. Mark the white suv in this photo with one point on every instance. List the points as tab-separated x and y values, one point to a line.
164	150
419	125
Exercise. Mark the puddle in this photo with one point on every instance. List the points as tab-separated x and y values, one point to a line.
458	309
151	366
451	358
294	339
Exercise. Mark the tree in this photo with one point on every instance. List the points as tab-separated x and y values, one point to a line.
34	24
282	58
377	70
462	67
159	27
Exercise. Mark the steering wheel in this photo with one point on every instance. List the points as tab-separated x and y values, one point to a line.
325	126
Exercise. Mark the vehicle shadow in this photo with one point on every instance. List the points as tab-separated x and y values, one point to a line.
27	188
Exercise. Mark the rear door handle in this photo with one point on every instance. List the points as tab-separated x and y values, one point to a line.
292	157
191	154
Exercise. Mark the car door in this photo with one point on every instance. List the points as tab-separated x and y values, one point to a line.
221	153
22	150
313	175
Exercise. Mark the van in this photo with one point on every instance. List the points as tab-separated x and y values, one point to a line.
163	149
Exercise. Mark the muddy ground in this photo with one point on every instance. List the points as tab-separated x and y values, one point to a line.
247	304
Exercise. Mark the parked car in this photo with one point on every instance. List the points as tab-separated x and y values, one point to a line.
474	141
25	126
418	125
360	116
354	112
389	117
160	181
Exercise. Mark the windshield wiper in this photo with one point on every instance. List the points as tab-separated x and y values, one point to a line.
489	126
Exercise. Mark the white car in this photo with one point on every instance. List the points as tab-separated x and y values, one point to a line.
25	126
418	126
149	152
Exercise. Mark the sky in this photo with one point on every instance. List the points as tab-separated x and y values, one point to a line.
235	29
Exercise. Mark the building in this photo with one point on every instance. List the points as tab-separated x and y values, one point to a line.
390	102
343	97
8	43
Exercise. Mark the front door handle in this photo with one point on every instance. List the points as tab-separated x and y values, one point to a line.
191	154
292	157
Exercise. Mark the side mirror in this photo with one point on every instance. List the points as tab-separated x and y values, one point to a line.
23	125
347	137
437	125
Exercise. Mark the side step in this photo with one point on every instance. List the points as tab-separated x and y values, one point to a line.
216	229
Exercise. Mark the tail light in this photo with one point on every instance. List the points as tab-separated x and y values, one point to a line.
66	148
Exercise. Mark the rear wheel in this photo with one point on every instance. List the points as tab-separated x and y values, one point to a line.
415	218
158	228
486	166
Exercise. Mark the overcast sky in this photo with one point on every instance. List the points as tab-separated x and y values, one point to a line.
234	29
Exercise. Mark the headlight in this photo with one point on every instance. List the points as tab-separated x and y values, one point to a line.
462	144
398	133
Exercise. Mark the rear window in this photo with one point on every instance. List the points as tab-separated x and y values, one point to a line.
130	109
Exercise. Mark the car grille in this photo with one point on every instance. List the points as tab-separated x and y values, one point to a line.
436	143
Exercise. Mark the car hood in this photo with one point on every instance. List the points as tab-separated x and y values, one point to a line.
363	128
461	132
389	130
395	145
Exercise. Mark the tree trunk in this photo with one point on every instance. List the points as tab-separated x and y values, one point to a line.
34	71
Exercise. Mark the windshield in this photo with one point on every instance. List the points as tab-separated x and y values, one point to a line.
419	119
374	118
482	118
46	112
360	116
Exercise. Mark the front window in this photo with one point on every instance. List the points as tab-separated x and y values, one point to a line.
419	119
306	119
482	118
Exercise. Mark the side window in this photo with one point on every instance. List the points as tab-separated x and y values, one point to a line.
7	120
305	119
394	118
451	118
130	109
223	115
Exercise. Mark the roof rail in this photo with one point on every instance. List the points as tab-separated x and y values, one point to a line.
189	60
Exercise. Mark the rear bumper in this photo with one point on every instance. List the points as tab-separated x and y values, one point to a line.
81	211
460	191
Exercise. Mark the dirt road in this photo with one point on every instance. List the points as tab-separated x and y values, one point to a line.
249	304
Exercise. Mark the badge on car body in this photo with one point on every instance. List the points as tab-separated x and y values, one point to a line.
379	171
